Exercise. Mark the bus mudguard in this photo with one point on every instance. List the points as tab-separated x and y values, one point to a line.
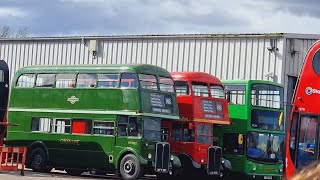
38	144
130	151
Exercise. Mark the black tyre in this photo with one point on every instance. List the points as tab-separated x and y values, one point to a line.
130	167
39	160
74	172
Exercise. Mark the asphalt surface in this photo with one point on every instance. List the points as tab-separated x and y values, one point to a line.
55	175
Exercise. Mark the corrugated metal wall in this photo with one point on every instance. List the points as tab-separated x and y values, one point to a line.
226	58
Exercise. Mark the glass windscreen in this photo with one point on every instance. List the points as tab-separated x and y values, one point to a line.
268	120
152	129
181	87
235	94
166	84
217	91
265	95
204	134
265	147
200	89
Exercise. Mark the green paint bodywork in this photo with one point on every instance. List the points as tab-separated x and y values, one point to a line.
90	151
240	116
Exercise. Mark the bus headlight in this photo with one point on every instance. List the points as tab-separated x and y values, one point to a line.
146	144
149	156
171	158
201	160
254	167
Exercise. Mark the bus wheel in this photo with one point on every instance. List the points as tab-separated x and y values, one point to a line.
130	167
39	160
74	172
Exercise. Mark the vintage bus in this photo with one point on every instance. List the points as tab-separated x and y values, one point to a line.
4	96
254	142
202	105
302	145
103	118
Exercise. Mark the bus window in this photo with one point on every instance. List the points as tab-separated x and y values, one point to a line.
134	127
236	94
200	89
188	133
148	81
1	76
26	81
129	80
40	124
217	91
182	87
45	80
231	143
65	80
293	133
60	126
166	84
122	125
316	62
152	129
108	80
264	95
81	126
176	132
86	80
103	127
205	134
307	141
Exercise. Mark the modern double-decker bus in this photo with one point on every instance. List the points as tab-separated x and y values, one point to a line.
103	118
254	142
4	96
302	145
202	105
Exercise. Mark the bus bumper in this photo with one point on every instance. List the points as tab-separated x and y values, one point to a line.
264	176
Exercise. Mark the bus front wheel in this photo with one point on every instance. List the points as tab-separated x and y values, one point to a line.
39	160
130	167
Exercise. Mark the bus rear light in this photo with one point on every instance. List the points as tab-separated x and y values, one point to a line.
202	160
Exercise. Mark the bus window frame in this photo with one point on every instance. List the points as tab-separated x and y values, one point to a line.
227	94
201	84
189	88
118	81
107	121
51	124
129	88
46	87
157	82
34	81
74	84
281	103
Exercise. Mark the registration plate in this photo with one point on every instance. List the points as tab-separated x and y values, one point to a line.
267	177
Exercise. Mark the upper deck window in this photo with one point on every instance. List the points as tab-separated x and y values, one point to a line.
26	81
86	80
65	80
316	62
45	80
1	76
166	84
129	80
236	94
108	80
217	91
265	95
182	87
148	81
200	89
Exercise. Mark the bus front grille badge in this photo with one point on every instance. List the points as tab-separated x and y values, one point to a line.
73	99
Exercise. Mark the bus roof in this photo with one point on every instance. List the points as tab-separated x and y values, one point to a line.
112	68
195	77
249	81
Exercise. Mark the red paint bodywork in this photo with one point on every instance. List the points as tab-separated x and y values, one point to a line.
302	102
191	112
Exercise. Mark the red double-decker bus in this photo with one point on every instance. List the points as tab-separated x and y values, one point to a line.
4	94
202	104
302	145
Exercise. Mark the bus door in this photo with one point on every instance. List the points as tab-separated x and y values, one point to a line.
4	94
308	141
129	132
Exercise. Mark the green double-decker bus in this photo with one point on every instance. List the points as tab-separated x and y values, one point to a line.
254	141
101	118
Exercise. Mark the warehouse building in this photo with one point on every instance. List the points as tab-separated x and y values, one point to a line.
275	57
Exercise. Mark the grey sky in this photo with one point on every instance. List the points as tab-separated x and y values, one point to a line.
116	17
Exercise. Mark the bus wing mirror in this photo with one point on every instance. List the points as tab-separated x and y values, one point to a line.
190	126
240	139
